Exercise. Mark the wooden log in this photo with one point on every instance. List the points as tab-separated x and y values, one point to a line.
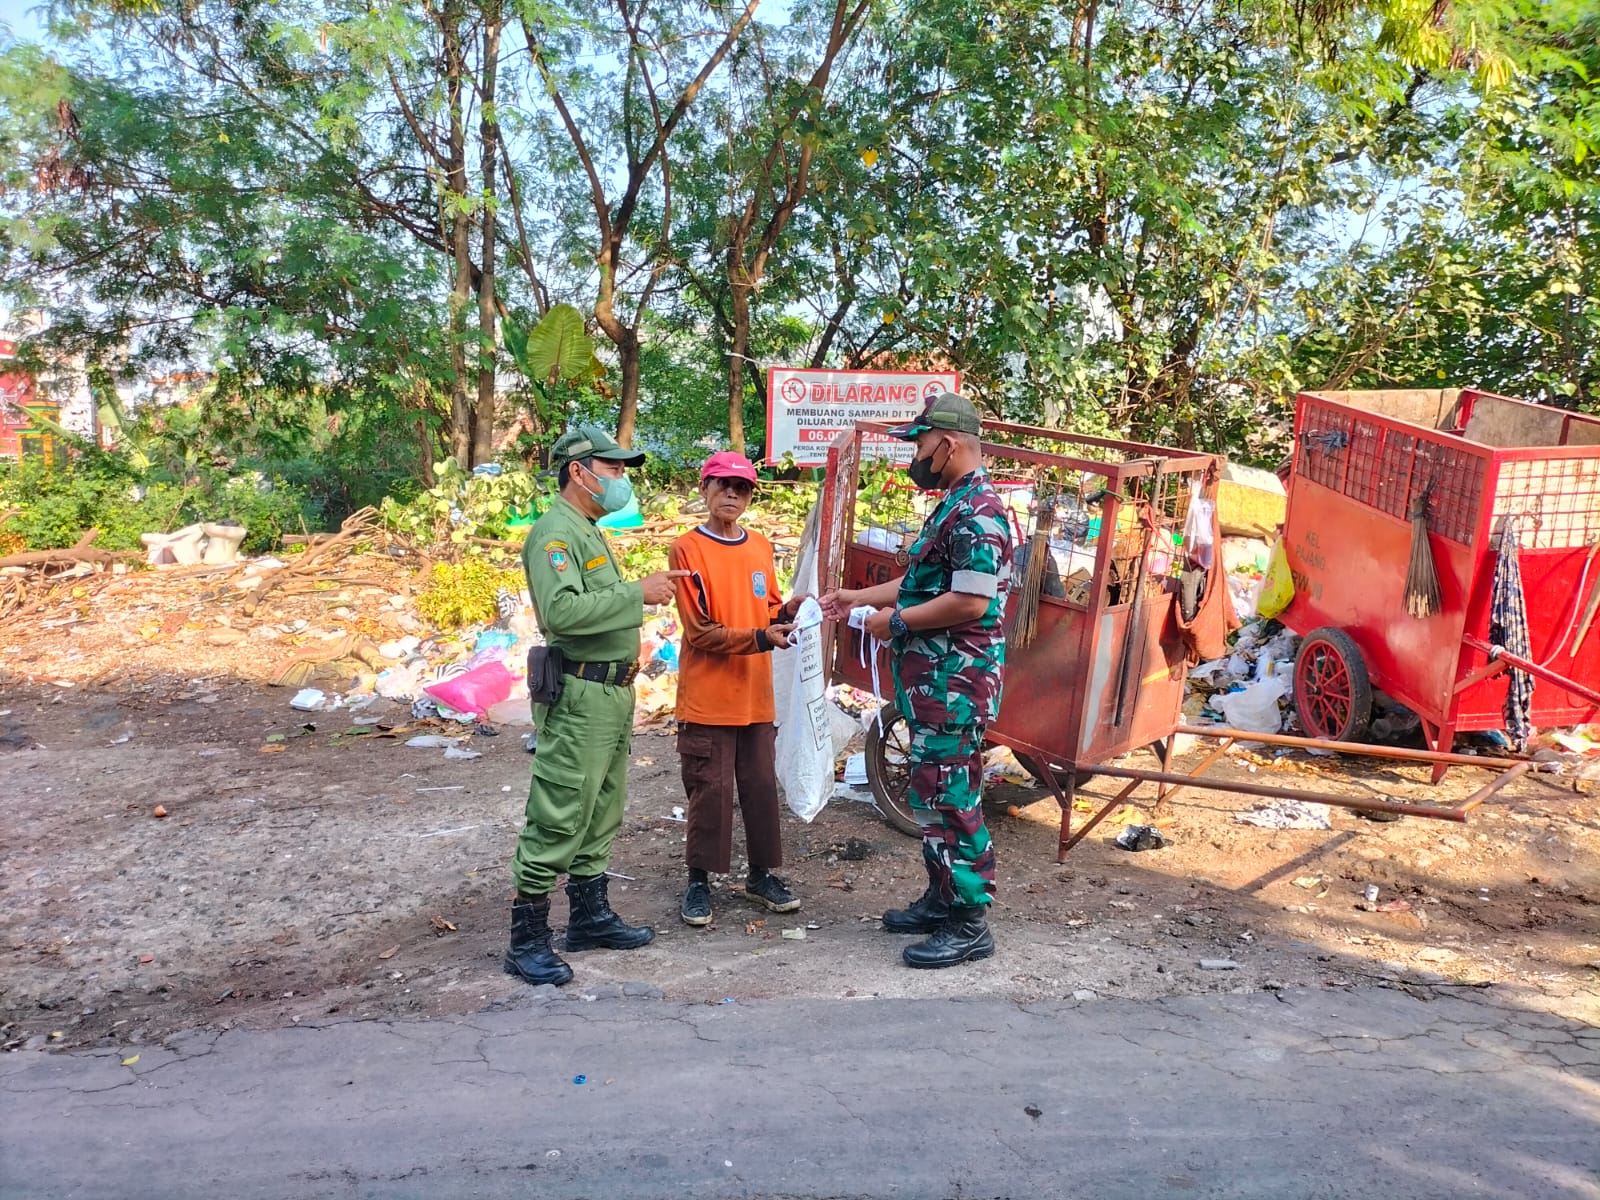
70	556
357	525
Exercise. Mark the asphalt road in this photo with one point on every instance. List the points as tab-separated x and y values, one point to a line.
1370	1093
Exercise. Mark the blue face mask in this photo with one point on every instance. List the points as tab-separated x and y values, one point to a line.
614	494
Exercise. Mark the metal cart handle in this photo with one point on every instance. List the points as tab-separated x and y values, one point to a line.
1499	654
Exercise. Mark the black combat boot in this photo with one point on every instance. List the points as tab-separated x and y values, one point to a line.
964	937
530	956
926	914
593	925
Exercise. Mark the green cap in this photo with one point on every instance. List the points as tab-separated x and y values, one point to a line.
590	441
945	411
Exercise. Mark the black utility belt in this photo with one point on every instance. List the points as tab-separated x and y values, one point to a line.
619	674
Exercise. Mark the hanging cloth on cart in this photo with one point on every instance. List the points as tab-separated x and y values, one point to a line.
1203	626
1508	631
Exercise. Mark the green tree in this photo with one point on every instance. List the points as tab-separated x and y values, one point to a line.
619	124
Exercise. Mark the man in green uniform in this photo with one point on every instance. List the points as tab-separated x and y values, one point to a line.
944	621
591	615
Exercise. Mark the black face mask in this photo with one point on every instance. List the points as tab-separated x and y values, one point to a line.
924	474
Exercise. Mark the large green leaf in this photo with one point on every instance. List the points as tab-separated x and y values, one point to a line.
556	344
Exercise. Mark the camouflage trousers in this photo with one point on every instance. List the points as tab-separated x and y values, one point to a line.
946	795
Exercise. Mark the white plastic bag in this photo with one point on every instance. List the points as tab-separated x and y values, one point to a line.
1255	708
1197	532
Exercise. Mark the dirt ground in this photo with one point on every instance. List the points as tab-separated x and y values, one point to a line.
350	874
307	866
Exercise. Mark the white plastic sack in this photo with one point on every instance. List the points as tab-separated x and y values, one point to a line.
805	742
805	735
1254	709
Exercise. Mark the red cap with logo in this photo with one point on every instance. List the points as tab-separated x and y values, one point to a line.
725	464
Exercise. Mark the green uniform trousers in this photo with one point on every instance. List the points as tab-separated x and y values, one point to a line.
579	784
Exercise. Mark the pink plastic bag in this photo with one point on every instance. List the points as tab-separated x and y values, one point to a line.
474	691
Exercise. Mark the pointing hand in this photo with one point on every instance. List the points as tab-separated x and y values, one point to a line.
660	587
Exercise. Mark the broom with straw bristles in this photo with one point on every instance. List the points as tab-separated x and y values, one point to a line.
1422	578
1026	624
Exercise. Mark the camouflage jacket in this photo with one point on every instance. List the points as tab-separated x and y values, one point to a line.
952	676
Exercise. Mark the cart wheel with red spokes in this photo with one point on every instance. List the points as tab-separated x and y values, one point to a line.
889	768
1332	690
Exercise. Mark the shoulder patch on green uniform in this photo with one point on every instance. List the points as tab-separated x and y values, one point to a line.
549	546
558	558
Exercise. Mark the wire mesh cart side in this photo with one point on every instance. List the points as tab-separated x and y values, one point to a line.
1474	467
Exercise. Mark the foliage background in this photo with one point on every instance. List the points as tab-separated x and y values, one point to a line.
1156	218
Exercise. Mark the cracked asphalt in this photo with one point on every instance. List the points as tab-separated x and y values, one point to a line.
1372	1092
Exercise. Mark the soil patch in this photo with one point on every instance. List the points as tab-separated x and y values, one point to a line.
309	866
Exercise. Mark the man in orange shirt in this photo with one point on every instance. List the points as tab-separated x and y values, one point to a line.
731	617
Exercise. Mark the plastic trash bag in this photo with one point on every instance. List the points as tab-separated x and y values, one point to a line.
1198	543
475	691
1254	707
1277	585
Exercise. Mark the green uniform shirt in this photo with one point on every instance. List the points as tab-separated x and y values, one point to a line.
584	606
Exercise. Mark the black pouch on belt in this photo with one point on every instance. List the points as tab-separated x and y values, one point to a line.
544	674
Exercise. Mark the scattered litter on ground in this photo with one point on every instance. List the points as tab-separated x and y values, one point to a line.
855	770
851	850
1141	837
1287	814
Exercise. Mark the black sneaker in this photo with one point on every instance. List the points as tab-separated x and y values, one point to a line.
696	908
771	893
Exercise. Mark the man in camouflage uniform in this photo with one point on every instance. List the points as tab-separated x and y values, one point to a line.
943	621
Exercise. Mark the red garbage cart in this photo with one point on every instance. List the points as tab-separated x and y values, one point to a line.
1104	673
1476	462
1105	670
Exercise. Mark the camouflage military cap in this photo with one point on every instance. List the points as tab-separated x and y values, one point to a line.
945	411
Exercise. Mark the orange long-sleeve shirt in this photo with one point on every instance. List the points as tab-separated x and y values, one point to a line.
725	606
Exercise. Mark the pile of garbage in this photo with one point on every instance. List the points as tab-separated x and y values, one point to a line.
1253	687
479	676
1574	752
209	542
